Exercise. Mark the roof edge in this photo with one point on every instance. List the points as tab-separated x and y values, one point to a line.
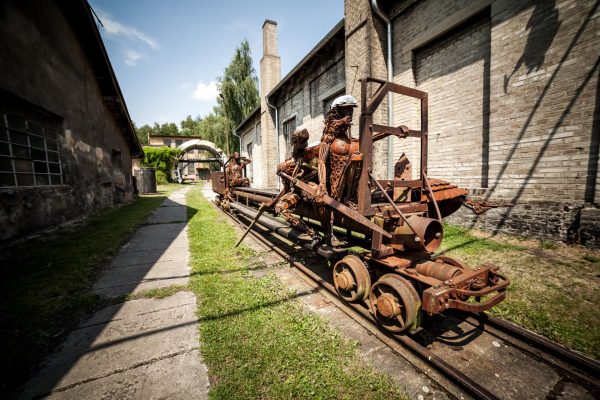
70	9
335	30
249	117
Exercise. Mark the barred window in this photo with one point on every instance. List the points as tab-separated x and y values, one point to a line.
289	126
29	153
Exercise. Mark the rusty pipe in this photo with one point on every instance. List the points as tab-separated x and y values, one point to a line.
280	228
251	196
428	229
438	270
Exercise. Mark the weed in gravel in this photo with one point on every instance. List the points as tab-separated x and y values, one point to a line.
548	245
592	259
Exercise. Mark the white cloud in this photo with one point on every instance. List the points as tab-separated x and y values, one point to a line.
205	91
132	57
115	28
186	85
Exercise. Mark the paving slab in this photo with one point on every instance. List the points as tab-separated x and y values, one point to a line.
142	349
138	334
156	256
165	215
168	378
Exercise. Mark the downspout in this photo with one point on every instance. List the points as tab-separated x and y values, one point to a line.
240	143
390	77
276	133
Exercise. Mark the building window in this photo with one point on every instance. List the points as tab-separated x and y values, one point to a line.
178	143
250	170
29	151
116	159
289	126
329	100
167	142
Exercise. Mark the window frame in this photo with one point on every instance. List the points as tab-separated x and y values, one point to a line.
38	134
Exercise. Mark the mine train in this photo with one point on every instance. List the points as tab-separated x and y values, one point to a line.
397	222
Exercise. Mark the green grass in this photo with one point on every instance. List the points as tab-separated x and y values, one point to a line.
460	238
158	293
256	337
548	245
553	290
45	284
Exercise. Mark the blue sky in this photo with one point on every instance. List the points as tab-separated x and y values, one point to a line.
167	54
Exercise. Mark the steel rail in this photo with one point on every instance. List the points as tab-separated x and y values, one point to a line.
578	361
389	339
581	365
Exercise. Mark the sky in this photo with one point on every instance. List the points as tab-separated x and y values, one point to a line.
168	54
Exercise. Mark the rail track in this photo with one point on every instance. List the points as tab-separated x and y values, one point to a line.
578	375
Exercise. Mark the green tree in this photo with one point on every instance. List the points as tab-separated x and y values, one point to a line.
191	126
213	128
167	129
143	132
162	159
238	95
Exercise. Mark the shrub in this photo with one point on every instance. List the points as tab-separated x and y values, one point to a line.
162	159
161	178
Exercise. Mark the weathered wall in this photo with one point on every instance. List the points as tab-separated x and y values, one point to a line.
513	104
365	56
251	148
42	63
309	94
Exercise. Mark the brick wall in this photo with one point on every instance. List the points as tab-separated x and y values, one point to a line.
250	135
365	56
512	99
270	75
308	93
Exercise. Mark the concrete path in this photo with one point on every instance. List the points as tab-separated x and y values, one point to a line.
140	349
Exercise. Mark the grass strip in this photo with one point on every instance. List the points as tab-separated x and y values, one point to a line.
554	287
45	284
256	338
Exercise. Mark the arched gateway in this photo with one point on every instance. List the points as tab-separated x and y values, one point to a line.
187	158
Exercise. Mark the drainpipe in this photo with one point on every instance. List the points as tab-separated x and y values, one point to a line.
390	77
240	144
276	132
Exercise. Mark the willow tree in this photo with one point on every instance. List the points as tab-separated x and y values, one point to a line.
238	92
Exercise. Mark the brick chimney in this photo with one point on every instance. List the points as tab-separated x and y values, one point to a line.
270	75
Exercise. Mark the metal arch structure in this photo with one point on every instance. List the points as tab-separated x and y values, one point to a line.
199	144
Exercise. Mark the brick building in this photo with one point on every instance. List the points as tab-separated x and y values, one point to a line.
513	102
66	138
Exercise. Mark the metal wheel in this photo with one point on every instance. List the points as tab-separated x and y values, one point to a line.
395	304
351	279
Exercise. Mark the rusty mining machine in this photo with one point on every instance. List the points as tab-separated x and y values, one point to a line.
397	222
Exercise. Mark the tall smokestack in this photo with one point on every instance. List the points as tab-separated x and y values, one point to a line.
270	63
270	75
